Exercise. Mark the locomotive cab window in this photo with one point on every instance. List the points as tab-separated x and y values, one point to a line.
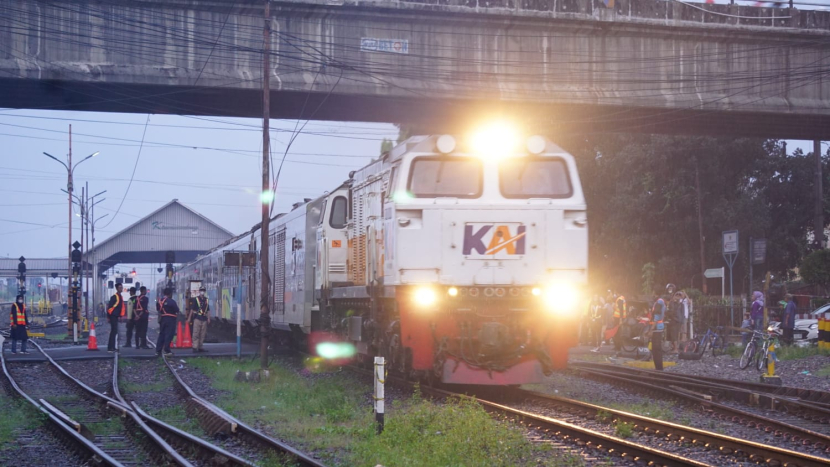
337	218
539	177
435	177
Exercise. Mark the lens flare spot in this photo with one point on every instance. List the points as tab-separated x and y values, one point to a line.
335	350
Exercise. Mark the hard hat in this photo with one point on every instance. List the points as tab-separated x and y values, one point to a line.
202	288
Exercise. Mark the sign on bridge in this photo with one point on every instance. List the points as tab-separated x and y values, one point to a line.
396	46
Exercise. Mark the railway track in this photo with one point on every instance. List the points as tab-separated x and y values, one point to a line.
113	437
197	450
793	429
68	434
666	433
215	420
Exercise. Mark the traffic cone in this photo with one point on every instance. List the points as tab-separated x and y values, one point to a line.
93	341
186	340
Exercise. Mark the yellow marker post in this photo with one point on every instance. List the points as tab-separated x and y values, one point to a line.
770	377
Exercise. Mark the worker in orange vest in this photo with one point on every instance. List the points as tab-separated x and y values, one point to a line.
20	321
115	310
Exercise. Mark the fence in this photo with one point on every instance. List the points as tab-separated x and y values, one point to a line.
721	315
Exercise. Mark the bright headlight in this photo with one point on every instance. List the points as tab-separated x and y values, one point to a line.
424	296
452	291
561	297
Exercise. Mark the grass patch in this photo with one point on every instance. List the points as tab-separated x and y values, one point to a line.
18	414
456	433
659	409
332	416
735	351
177	416
823	371
624	430
795	353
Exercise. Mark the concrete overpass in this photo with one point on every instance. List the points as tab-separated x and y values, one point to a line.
563	65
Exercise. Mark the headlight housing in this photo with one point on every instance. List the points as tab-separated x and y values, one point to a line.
424	296
561	297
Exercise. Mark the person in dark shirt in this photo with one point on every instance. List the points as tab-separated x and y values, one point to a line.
658	314
168	315
131	319
142	317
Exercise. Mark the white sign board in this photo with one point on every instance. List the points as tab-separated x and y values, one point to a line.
730	242
395	46
194	288
713	273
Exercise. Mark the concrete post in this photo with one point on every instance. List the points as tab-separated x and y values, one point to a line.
380	380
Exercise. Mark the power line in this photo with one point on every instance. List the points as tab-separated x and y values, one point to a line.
137	159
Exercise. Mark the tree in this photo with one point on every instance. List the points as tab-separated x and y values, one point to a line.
386	146
648	278
642	204
815	269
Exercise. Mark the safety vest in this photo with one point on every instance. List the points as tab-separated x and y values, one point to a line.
138	306
164	313
620	313
201	308
19	318
119	305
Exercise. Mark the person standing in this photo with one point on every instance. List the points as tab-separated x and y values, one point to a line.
19	323
142	318
673	321
788	321
131	319
757	311
198	315
115	310
658	313
168	311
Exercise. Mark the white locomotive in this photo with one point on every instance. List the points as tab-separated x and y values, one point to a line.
454	261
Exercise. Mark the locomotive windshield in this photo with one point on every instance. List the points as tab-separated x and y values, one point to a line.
434	177
534	178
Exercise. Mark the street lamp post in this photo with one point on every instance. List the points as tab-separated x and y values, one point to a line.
69	170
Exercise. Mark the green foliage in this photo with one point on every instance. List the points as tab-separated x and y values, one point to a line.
17	414
815	269
332	415
386	146
603	416
795	353
624	430
648	279
643	204
458	433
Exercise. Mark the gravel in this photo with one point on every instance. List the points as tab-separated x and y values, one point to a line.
36	446
568	384
797	373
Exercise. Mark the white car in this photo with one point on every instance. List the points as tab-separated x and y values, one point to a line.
806	328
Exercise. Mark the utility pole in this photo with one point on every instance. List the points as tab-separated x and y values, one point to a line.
82	206
700	230
69	256
265	198
819	209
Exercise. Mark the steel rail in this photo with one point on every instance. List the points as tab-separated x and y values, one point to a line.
213	454
84	447
220	421
164	450
811	396
779	428
756	452
807	410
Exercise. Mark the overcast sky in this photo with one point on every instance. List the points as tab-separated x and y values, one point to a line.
210	164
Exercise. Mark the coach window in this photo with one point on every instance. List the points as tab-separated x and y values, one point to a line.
540	177
437	177
337	219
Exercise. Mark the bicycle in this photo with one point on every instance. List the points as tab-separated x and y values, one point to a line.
763	355
702	343
751	350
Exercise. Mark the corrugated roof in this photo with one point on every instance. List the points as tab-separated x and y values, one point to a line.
172	227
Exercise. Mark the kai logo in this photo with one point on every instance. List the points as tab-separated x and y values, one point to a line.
494	240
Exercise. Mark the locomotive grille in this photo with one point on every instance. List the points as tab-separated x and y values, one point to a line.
279	273
358	247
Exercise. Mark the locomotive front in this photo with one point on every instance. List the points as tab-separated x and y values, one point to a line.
485	243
